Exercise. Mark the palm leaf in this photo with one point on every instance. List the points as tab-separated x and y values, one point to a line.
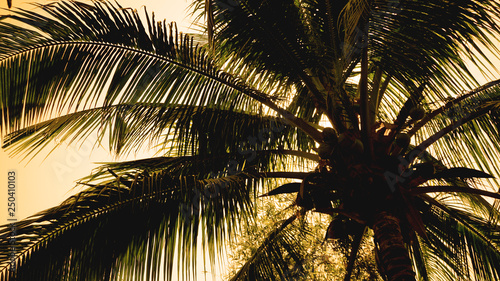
197	129
123	220
286	188
131	66
461	232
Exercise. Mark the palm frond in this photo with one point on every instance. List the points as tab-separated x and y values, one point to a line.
197	130
73	68
473	114
464	138
358	238
471	241
420	261
475	202
115	226
449	33
453	102
265	43
266	163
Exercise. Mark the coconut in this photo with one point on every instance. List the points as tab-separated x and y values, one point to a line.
325	150
330	136
417	113
402	140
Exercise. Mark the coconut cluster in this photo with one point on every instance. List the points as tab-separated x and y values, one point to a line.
335	145
357	179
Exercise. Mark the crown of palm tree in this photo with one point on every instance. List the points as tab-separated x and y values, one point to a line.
368	107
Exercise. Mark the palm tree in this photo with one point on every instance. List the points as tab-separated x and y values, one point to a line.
366	108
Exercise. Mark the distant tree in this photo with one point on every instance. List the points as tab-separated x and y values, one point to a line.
375	95
320	259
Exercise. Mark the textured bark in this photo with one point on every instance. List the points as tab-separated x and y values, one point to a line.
392	251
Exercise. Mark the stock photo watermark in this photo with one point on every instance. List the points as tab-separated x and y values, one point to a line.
73	159
12	180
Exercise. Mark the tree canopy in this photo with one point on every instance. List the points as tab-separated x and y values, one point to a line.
366	112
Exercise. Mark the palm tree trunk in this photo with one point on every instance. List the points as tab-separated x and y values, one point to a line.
392	251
